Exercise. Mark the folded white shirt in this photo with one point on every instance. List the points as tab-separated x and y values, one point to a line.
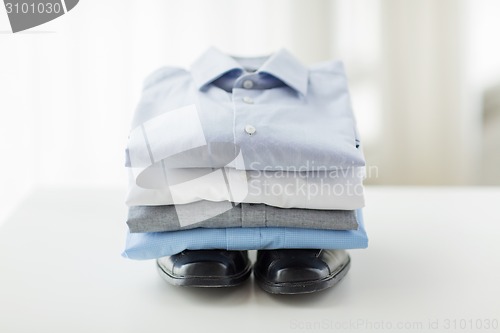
326	189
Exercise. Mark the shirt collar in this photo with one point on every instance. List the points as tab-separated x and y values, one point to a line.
213	64
284	66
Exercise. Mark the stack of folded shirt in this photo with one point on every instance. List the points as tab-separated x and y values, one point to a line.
244	154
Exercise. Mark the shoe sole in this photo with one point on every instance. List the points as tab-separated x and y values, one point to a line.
306	287
206	282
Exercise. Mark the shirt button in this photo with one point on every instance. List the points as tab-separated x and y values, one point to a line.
247	84
248	100
250	129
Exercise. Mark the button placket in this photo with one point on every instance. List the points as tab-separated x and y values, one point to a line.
244	101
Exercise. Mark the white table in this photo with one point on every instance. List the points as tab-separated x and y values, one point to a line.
432	265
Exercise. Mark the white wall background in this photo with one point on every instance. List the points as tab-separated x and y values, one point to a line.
417	70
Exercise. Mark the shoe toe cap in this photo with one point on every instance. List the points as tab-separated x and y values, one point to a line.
297	274
205	269
210	263
291	266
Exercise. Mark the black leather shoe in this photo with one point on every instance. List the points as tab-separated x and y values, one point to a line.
300	271
205	268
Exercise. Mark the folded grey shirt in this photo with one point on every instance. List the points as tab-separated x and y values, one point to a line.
209	214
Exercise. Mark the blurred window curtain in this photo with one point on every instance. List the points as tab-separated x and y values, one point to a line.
410	80
490	167
430	131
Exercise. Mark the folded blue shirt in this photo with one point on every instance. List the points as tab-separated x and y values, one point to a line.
154	245
260	113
